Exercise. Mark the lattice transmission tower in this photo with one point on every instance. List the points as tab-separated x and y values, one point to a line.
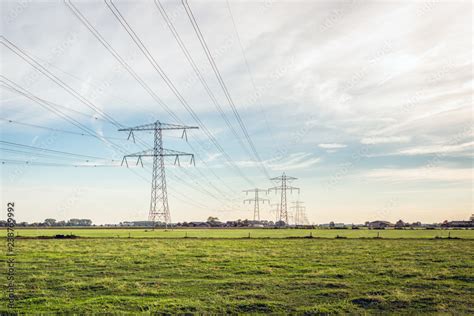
256	200
299	213
159	209
283	187
275	210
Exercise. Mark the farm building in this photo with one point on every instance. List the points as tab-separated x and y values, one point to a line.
379	224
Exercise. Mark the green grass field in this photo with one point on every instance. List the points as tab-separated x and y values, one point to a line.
299	276
243	233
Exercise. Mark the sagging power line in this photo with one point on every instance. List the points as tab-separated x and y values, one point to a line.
147	88
283	188
256	202
299	213
222	84
159	208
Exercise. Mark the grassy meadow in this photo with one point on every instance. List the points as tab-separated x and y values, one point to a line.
244	233
227	275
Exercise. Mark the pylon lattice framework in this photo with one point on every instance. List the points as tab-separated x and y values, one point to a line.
276	210
159	209
284	187
299	213
256	200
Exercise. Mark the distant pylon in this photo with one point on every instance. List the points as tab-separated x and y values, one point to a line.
299	213
256	200
159	209
283	187
276	210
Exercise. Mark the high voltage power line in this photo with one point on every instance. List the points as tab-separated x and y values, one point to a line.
256	202
159	194
252	80
109	48
51	164
136	39
184	199
43	70
50	150
283	188
210	58
156	66
8	83
20	53
30	154
82	81
57	129
199	75
35	163
47	105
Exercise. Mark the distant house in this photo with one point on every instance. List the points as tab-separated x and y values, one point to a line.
137	224
400	224
199	224
379	224
459	224
258	224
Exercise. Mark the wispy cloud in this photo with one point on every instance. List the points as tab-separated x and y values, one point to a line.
301	162
332	146
421	174
292	162
385	140
465	148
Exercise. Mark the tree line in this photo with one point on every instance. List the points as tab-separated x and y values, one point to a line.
51	222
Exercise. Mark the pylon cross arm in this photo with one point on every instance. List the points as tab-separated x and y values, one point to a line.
153	126
274	189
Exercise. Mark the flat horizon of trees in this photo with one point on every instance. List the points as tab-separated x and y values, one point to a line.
51	222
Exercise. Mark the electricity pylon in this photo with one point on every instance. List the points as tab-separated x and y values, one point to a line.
276	210
256	200
283	187
299	212
159	209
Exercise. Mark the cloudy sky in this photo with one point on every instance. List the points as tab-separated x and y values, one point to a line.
367	103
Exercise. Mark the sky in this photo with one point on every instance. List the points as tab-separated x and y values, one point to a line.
367	103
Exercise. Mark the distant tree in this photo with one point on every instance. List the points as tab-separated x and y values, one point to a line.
73	222
50	222
61	223
85	222
280	223
79	222
212	219
331	225
399	224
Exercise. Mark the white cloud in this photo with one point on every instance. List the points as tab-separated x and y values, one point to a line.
332	146
427	173
302	163
385	140
439	149
292	162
